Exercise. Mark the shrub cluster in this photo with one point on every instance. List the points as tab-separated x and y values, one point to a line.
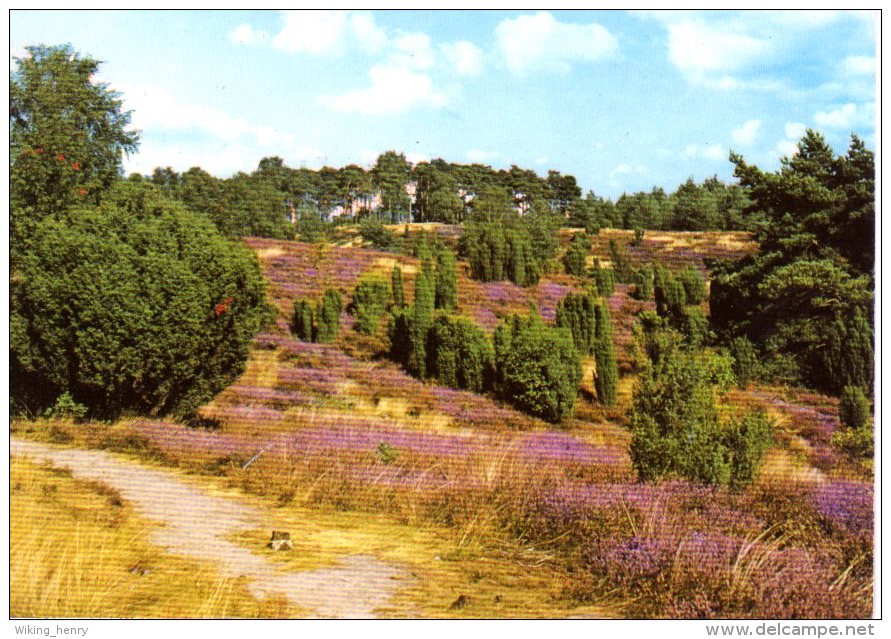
319	324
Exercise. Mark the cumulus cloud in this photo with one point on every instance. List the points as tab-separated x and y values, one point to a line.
747	132
707	151
413	51
618	175
394	89
245	34
464	57
859	65
540	42
695	47
325	32
220	159
795	130
840	118
160	110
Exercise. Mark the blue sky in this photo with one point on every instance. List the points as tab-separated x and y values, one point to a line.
622	100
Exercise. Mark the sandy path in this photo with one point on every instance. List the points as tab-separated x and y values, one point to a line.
196	524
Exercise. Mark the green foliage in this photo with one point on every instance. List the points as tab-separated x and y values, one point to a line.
574	259
694	325
607	377
67	134
805	300
66	408
605	280
370	299
675	426
853	407
390	175
576	312
497	252
302	320
620	261
538	368
670	295
643	283
693	283
386	454
328	316
372	230
856	442
446	294
136	305
398	289
459	354
399	333
638	236
421	319
746	365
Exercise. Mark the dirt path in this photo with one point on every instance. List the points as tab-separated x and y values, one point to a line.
196	524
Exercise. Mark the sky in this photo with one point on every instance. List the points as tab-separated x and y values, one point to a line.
623	100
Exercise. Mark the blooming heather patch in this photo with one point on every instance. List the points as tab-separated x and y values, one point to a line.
548	295
566	449
177	441
847	506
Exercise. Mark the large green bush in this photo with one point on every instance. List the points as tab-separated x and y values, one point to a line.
853	407
137	305
538	367
370	299
459	354
675	425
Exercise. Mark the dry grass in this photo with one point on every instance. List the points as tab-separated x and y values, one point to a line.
78	550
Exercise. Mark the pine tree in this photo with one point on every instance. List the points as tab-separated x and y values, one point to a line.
607	371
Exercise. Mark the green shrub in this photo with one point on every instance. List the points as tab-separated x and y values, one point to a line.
370	299
643	283
607	379
746	365
605	279
576	312
693	283
856	442
386	454
302	321
460	355
538	368
853	407
135	305
373	231
576	255
694	325
398	289
66	408
446	293
328	316
675	426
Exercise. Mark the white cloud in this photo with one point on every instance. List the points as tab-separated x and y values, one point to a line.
747	132
465	57
617	175
859	65
413	51
328	32
787	147
541	161
416	158
482	157
541	43
393	89
707	151
159	109
795	130
840	118
245	34
696	48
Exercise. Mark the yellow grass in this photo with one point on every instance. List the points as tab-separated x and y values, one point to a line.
77	550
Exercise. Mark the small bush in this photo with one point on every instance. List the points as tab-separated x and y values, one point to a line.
328	316
694	286
66	408
853	408
373	231
605	279
574	259
386	454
